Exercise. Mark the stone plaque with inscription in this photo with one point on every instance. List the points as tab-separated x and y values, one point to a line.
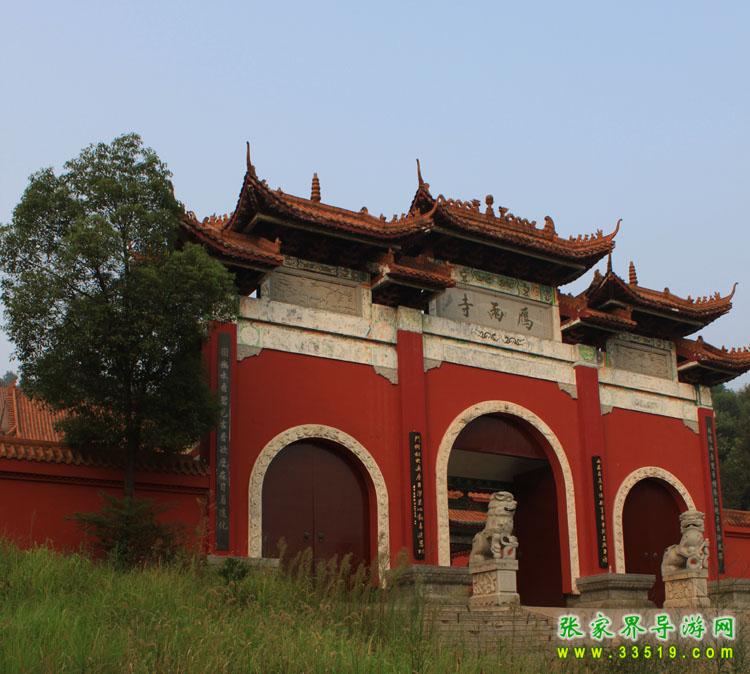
307	291
497	310
645	355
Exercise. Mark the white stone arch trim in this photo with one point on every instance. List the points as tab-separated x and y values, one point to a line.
305	432
441	476
622	492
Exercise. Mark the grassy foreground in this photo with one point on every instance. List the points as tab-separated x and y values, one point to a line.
63	614
69	614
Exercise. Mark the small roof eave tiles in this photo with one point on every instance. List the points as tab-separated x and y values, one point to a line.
609	287
418	278
289	210
234	247
582	249
57	453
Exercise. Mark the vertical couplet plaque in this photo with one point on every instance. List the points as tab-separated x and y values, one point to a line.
715	493
599	512
417	494
222	442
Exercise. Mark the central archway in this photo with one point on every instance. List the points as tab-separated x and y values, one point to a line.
557	459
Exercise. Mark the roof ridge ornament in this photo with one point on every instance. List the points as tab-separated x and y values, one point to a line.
632	276
419	174
248	161
315	189
609	262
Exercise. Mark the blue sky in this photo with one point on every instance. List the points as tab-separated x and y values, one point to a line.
586	111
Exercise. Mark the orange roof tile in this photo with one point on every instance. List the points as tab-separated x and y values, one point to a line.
55	452
26	418
264	210
700	362
704	309
507	227
737	518
212	232
27	433
466	516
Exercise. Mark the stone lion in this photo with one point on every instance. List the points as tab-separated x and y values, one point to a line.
691	553
496	540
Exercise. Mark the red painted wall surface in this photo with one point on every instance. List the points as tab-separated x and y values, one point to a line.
275	391
635	440
36	501
737	551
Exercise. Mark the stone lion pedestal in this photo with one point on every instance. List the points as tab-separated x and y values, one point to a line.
492	564
686	589
685	565
493	583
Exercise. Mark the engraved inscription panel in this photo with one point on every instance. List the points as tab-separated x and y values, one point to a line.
316	293
656	360
510	314
503	284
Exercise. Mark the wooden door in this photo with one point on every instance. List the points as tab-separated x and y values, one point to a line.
315	497
539	575
650	522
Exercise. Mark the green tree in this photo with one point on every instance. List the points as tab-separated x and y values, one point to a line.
8	378
106	311
732	410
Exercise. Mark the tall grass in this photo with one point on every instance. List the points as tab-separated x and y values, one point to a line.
69	614
62	614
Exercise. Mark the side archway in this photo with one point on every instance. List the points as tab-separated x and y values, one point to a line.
441	474
622	492
320	432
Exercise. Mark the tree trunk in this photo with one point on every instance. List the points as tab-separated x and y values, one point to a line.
130	454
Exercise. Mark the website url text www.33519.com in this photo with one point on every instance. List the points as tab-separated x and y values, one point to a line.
645	653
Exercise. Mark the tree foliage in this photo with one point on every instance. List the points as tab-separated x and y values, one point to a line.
127	531
8	378
107	313
733	436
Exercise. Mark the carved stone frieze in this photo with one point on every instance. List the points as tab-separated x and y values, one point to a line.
317	293
503	284
653	357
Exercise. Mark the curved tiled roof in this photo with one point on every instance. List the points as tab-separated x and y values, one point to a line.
703	309
257	201
212	232
28	433
509	228
22	417
700	362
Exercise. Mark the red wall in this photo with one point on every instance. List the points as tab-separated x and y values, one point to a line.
37	499
737	550
275	391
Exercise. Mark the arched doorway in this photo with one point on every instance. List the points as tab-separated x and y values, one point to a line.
650	523
315	496
500	452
